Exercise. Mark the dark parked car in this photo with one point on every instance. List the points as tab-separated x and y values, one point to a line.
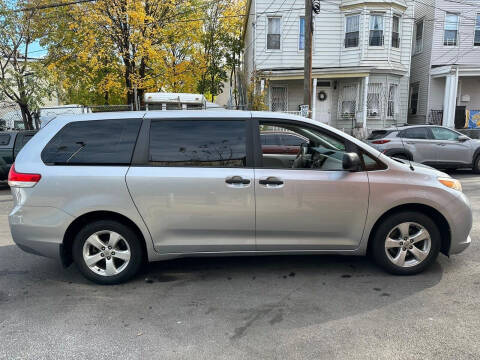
11	142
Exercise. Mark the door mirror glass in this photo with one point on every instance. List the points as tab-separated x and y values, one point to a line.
463	138
351	161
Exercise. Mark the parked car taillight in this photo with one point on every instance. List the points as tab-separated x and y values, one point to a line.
16	179
379	142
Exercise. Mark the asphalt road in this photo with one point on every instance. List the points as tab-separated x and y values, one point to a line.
284	307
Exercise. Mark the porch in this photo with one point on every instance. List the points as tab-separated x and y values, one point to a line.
455	96
339	98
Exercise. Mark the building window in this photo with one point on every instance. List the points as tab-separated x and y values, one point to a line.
392	99
414	99
376	30
352	30
273	35
419	37
476	40
301	38
374	99
396	31
278	98
451	30
349	100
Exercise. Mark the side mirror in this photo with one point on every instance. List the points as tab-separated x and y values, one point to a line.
463	138
304	149
351	161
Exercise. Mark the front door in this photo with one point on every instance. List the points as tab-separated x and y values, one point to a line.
418	141
449	150
192	185
313	204
322	105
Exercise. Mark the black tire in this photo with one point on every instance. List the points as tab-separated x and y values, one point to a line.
129	237
476	165
400	156
378	242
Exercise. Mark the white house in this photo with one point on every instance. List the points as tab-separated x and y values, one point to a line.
445	78
361	58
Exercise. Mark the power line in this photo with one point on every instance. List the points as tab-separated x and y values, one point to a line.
50	6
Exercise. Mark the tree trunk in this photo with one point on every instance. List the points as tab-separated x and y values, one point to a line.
27	117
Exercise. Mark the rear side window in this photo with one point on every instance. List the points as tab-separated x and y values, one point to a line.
378	134
199	143
414	133
4	139
99	142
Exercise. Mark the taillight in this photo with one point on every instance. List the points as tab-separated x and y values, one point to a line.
379	142
16	179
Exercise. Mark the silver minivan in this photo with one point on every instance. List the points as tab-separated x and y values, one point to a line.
111	191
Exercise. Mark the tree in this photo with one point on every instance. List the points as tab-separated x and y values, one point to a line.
120	42
22	80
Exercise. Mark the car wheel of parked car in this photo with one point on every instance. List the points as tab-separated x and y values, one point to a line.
406	243
107	252
476	165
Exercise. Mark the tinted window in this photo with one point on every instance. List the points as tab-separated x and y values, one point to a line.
291	140
108	142
378	134
4	139
444	134
372	164
205	143
270	139
415	133
26	138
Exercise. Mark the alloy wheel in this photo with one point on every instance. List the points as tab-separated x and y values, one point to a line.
106	253
408	244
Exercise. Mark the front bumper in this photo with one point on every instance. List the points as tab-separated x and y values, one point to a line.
461	220
39	230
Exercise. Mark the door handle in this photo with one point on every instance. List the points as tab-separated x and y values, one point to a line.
271	180
237	180
441	144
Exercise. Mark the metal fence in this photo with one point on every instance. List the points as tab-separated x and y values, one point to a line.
10	116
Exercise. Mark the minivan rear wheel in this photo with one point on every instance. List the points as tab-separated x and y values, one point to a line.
406	243
107	252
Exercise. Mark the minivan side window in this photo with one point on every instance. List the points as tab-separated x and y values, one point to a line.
320	150
198	143
414	133
96	142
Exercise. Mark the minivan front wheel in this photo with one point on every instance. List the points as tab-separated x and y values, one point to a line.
107	252
406	243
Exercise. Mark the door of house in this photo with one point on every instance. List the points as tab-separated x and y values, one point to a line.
323	104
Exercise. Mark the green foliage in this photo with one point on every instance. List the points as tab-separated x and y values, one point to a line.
22	80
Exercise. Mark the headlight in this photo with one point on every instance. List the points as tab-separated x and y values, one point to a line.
451	183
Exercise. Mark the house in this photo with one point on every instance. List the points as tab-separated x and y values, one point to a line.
361	59
445	74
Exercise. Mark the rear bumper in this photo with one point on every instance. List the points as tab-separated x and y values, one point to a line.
39	230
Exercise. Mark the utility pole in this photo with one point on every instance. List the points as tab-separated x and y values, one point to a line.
307	67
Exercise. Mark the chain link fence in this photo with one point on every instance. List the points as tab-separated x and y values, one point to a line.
10	116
